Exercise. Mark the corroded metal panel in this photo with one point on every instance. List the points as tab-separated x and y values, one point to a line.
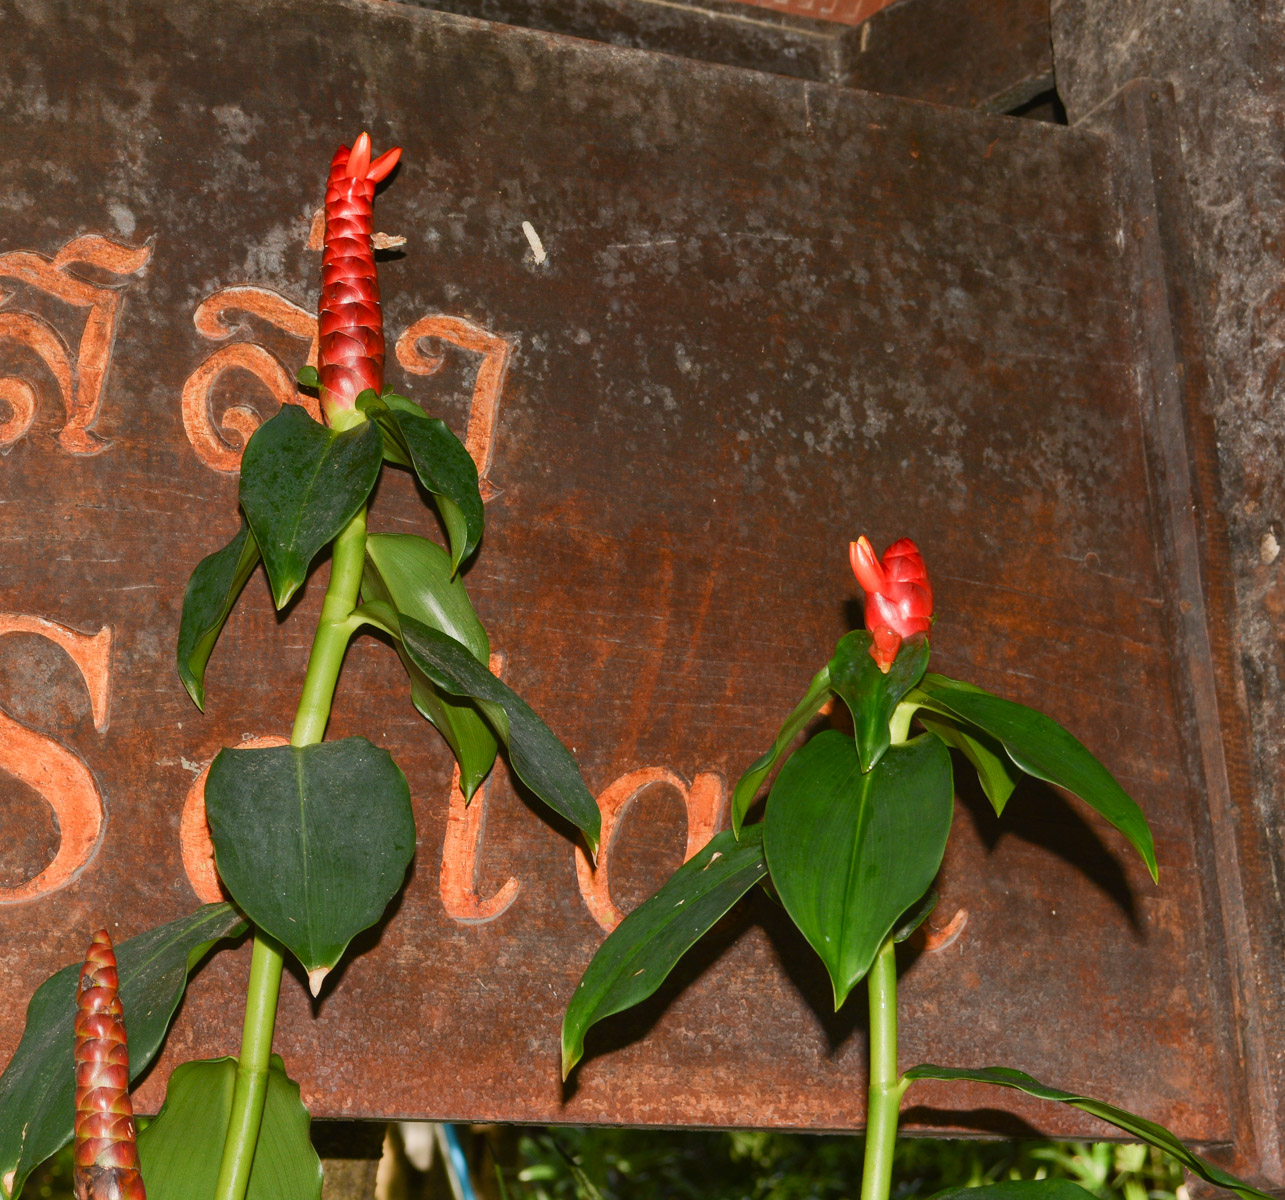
767	316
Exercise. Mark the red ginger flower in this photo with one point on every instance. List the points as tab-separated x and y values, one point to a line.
351	352
106	1153
899	598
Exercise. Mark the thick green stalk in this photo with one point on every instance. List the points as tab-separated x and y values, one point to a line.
328	645
886	1089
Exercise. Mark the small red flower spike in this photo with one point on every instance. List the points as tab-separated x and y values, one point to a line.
899	598
106	1152
351	327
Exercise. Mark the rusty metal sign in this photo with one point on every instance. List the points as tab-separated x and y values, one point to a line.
756	318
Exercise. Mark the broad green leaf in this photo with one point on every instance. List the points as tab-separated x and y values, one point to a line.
211	593
415	577
851	850
1019	1189
181	1150
871	696
1040	746
311	841
642	950
984	753
1135	1126
440	461
301	483
748	785
37	1089
538	758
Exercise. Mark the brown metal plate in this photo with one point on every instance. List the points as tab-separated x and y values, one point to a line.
773	315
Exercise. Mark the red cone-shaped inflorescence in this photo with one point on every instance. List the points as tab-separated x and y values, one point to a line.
106	1153
351	353
899	598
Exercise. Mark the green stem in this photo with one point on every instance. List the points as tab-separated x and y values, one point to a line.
886	1088
334	630
252	1068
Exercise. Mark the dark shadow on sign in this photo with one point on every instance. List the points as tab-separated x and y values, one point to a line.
807	972
972	1120
363	943
635	1024
1041	815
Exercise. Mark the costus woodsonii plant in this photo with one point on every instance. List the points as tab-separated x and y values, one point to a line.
852	835
312	839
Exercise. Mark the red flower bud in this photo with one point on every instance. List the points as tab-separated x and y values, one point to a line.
351	327
899	598
106	1153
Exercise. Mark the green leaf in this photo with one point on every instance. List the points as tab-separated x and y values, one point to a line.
1135	1126
37	1089
311	841
415	577
984	753
851	850
872	696
308	377
642	950
301	483
1040	746
440	461
1019	1189
181	1150
539	759
748	785
211	593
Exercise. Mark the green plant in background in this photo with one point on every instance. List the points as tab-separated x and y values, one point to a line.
312	840
653	1164
852	837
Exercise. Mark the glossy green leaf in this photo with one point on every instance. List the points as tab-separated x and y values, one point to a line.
1019	1189
311	841
301	483
538	758
748	785
441	463
415	577
211	592
851	850
1040	746
308	377
181	1150
642	950
872	696
984	753
1135	1126
37	1088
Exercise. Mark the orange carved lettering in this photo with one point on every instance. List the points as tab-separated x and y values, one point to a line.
50	768
479	438
465	826
194	832
705	800
80	386
219	442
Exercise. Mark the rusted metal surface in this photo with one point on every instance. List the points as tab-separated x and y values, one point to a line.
772	315
718	31
1228	80
969	53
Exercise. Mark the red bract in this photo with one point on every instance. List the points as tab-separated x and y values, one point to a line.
899	598
106	1153
351	352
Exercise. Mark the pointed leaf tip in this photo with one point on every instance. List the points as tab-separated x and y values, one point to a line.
316	979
